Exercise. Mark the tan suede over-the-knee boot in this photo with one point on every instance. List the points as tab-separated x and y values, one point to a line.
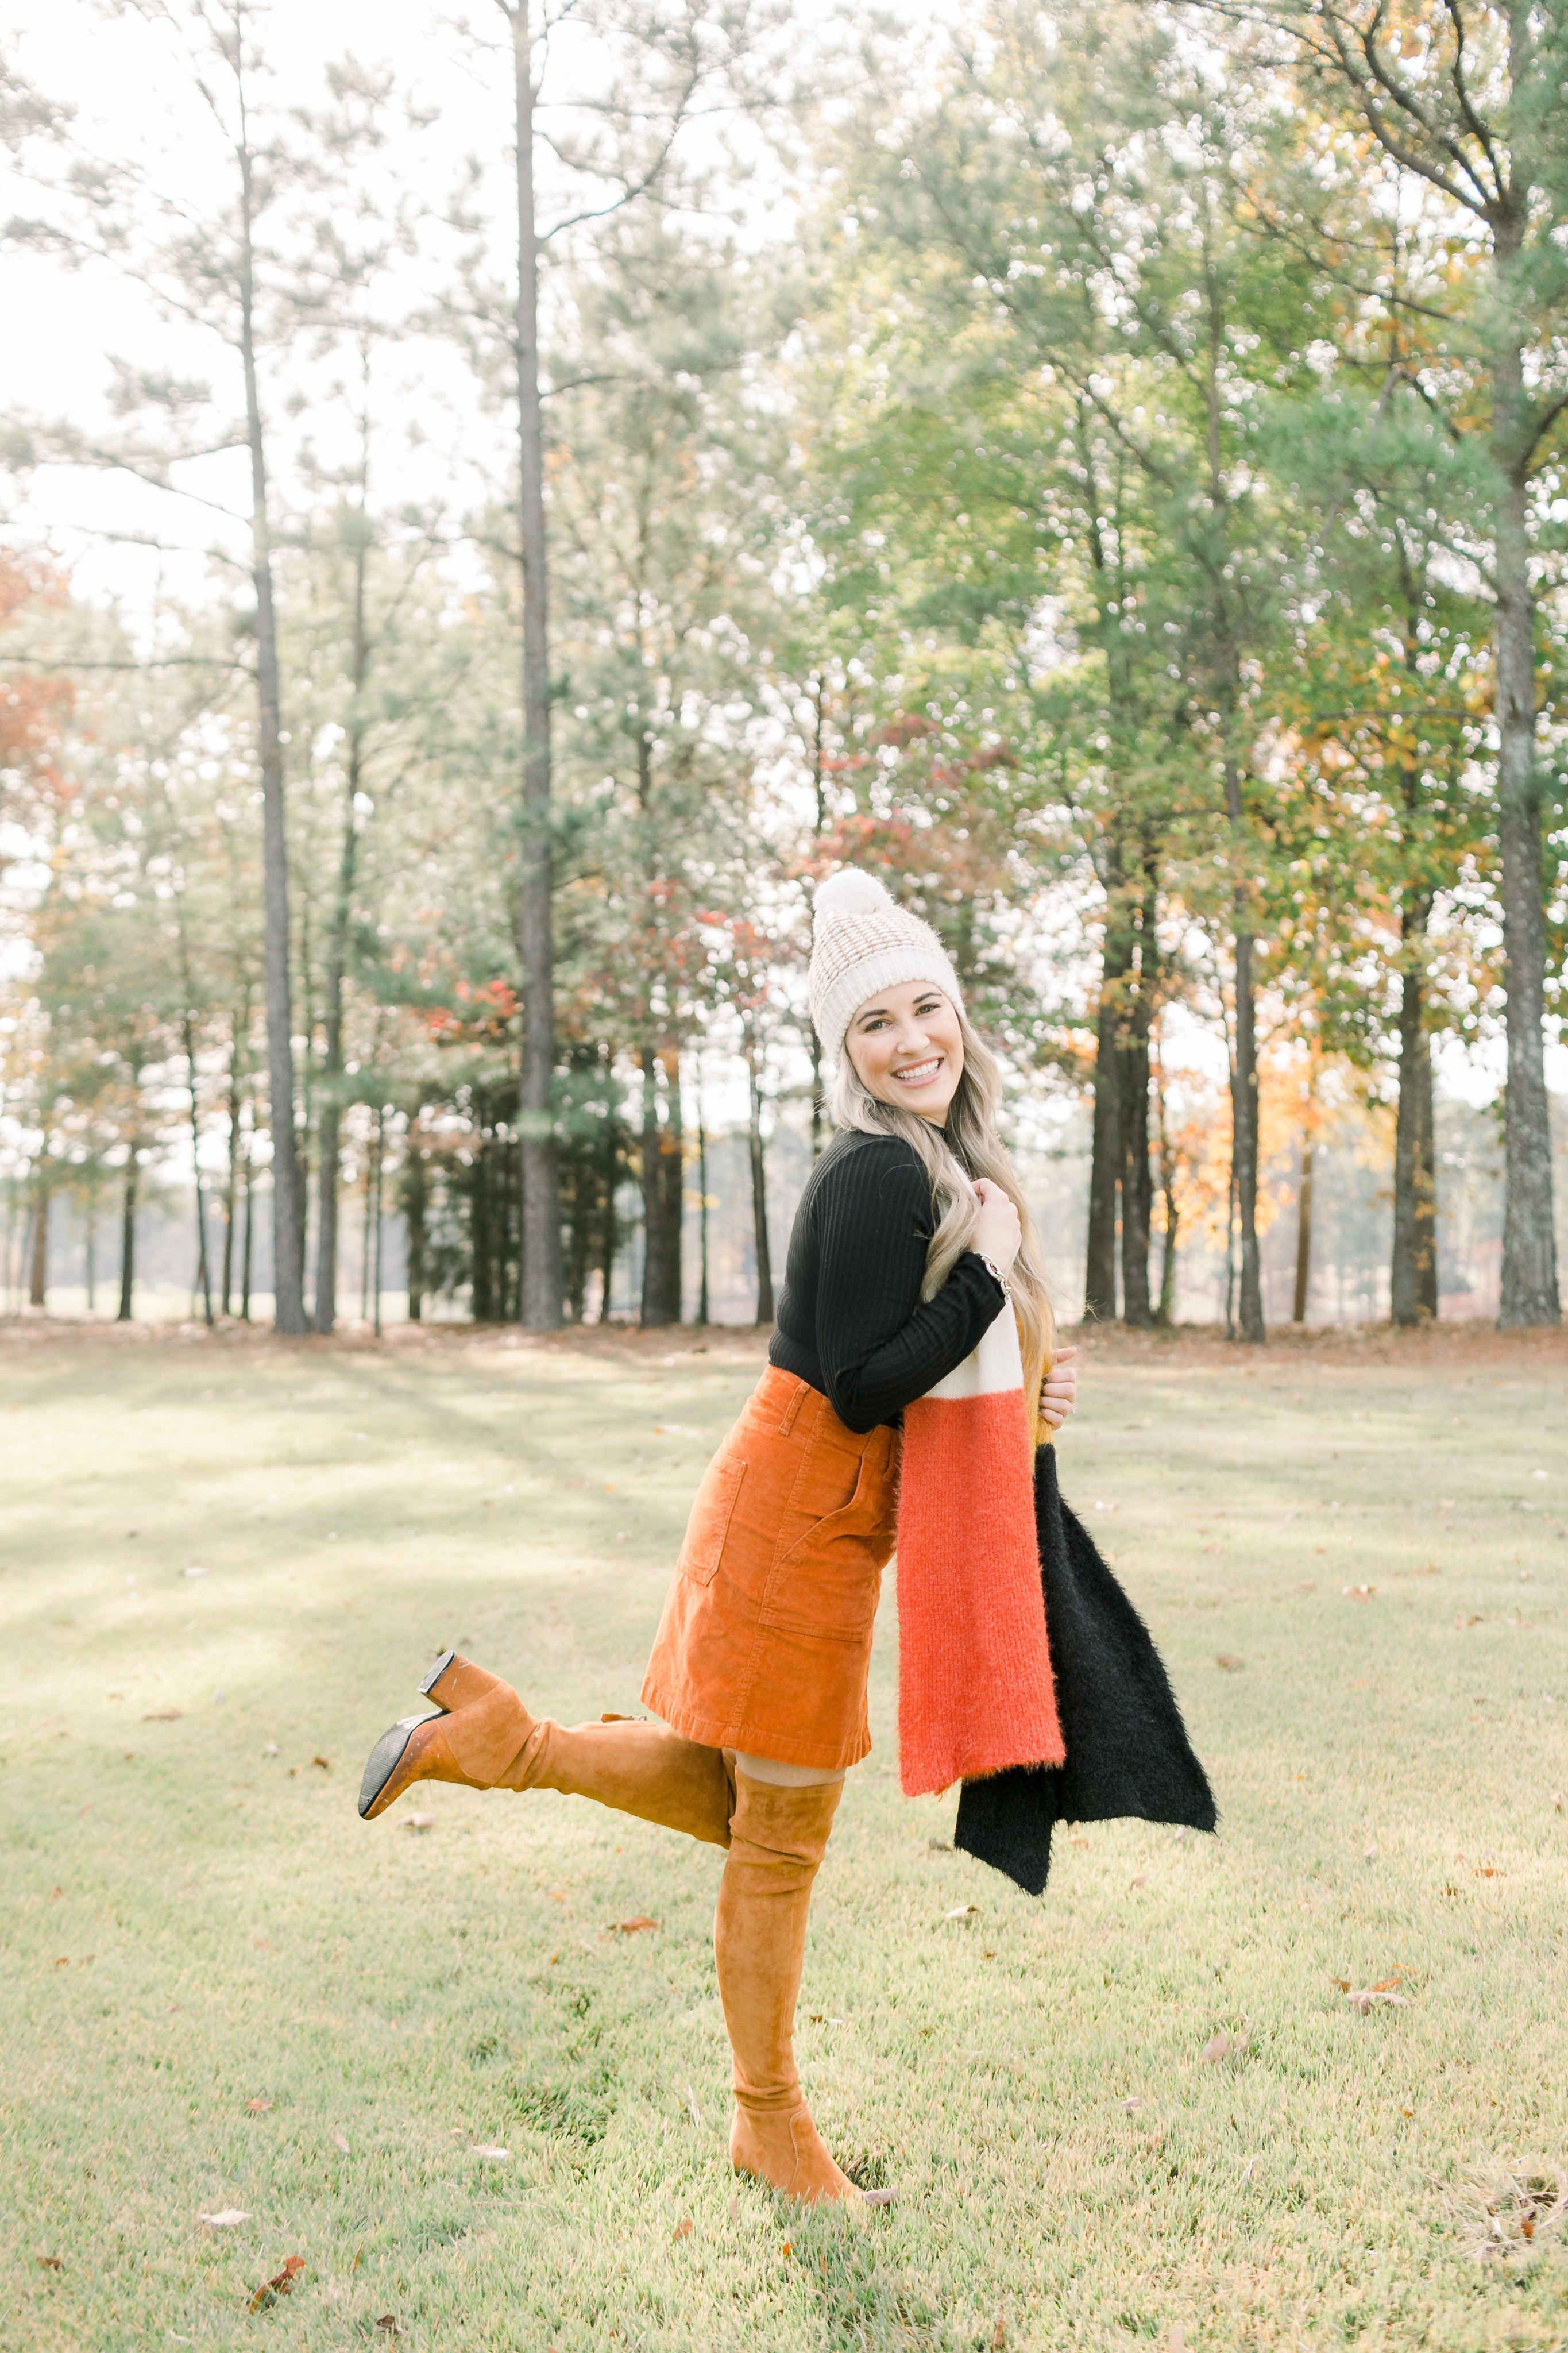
485	1738
777	1837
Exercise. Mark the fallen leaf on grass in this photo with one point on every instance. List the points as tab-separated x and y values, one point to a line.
163	1716
1366	1998
1141	1881
880	2196
1222	2046
52	2263
1228	1659
495	2155
256	2108
339	2142
281	2284
1359	1592
963	1912
1509	2210
418	1822
682	2229
1133	2107
228	2218
787	2249
324	1762
388	2324
1463	1623
631	1927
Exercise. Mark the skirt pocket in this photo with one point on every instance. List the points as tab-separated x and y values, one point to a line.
713	1509
829	1581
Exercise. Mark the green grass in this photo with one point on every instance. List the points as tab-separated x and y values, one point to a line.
193	1923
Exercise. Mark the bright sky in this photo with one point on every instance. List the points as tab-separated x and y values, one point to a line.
62	327
134	98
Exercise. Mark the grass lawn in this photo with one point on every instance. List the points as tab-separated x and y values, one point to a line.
227	1564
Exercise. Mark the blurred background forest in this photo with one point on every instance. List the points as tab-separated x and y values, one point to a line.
492	511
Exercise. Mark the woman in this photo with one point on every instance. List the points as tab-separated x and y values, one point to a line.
911	1239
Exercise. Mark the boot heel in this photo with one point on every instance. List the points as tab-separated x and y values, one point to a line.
455	1682
436	1672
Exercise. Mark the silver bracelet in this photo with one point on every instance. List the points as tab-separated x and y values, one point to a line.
995	1271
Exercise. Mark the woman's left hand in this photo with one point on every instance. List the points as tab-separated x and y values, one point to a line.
1058	1390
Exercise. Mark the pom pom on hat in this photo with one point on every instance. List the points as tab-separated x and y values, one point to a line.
863	940
849	892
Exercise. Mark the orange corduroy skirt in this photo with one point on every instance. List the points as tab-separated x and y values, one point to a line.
766	1635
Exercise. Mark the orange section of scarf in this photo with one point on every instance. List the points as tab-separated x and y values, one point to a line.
975	1690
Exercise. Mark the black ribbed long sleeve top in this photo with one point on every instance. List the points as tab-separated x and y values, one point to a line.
850	1321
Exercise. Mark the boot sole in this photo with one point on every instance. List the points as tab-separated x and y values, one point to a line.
385	1777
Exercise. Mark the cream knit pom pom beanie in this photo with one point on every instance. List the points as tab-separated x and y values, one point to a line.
862	942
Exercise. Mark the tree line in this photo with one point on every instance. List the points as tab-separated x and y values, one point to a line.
1102	468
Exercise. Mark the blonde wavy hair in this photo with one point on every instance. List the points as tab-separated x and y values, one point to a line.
967	1147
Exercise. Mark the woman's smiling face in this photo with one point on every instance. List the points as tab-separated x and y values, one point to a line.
907	1047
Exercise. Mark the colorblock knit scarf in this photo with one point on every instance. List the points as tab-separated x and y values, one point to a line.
976	1694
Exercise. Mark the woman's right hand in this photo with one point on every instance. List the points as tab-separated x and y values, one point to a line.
997	1234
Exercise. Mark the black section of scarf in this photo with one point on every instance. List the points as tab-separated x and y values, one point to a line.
1128	1751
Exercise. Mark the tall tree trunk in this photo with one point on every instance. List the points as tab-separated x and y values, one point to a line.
1227	680
583	1164
1244	1118
541	1182
609	1233
702	1299
1105	1151
249	1237
288	1235
1529	1240
1166	1314
329	1126
819	782
204	1276
231	1191
92	1253
662	1188
1413	1274
1137	1177
380	1151
364	1253
38	1289
416	1200
128	1239
1137	1180
1303	1232
759	1194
